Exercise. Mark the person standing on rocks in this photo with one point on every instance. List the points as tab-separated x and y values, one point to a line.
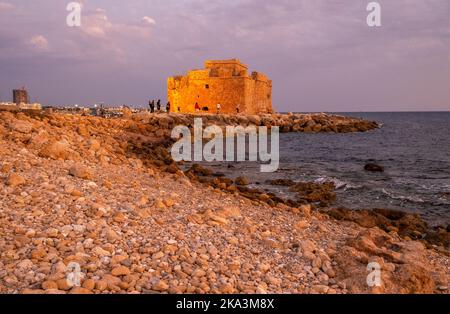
168	107
238	108
218	108
197	107
152	106
158	105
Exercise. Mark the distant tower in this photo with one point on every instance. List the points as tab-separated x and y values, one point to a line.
20	96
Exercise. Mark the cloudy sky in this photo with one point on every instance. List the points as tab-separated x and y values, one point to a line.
321	54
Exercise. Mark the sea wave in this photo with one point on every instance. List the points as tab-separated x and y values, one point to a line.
339	184
410	198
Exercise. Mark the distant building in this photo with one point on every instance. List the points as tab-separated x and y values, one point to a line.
20	96
10	106
34	106
224	82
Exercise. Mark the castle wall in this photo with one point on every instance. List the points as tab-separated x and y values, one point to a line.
225	82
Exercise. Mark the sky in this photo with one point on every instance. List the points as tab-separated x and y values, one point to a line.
320	54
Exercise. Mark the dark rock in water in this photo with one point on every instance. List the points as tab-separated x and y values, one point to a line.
322	193
373	168
218	174
281	182
225	180
439	236
231	167
241	181
199	170
405	224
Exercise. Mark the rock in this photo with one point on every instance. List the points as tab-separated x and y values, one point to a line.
302	224
169	202
320	289
117	259
158	255
226	288
219	219
58	150
52	232
63	284
328	269
241	181
21	240
119	217
31	291
101	285
312	192
317	262
373	167
54	291
89	284
159	204
120	271
161	285
80	290
15	180
198	273
273	280
406	224
21	126
281	182
229	212
49	285
38	254
81	171
100	252
308	246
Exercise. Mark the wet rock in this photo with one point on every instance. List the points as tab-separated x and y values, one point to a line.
373	167
241	181
322	193
406	224
281	182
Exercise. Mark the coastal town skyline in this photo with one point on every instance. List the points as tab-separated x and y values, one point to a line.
318	61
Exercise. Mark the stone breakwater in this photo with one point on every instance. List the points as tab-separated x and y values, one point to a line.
102	193
308	123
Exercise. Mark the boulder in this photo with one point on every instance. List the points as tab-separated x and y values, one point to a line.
57	150
241	181
373	167
21	126
81	171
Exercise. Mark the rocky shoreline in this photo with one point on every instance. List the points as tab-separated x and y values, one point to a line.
291	122
105	193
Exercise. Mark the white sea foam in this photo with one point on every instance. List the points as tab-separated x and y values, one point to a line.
411	198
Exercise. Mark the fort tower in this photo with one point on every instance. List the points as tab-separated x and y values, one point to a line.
224	82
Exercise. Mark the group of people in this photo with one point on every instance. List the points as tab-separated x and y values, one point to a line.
156	107
218	108
152	106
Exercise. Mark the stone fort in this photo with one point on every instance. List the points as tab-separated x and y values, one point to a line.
224	82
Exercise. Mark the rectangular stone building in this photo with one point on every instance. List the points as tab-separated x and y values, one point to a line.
20	96
224	82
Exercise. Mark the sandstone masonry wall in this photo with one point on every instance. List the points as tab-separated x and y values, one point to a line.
226	82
